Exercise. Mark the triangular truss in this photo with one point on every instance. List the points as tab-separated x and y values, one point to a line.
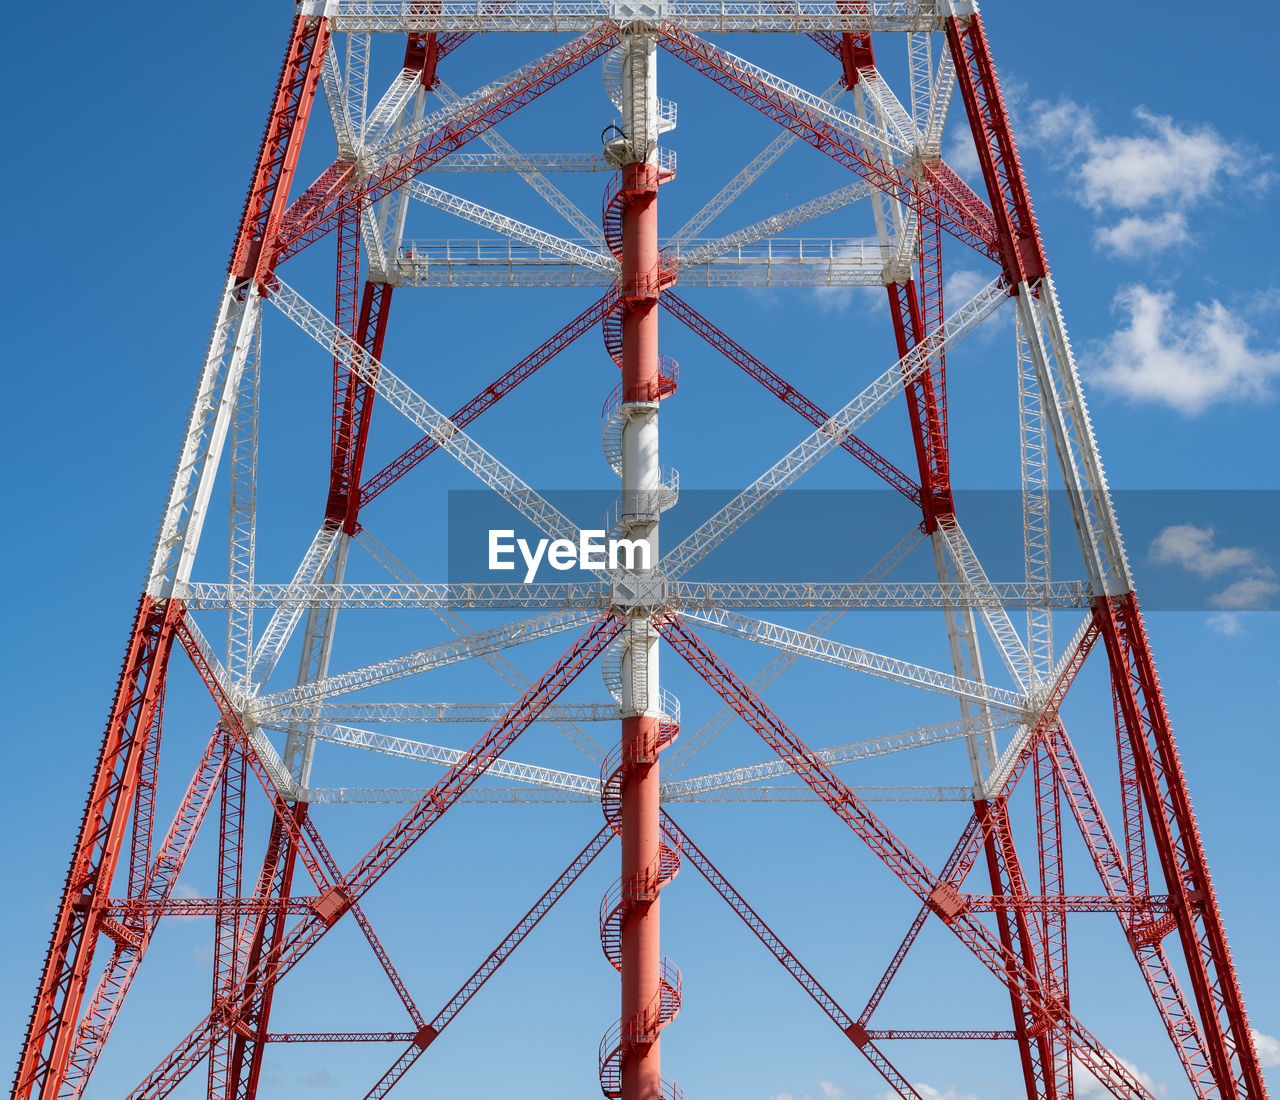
123	873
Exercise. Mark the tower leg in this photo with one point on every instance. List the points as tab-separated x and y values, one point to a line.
51	1032
641	480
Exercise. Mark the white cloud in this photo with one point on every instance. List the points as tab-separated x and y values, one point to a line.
1192	548
1136	236
1163	162
1247	594
1227	622
1268	1048
1186	359
1165	168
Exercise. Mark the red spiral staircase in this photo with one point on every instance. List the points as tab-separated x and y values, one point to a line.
626	896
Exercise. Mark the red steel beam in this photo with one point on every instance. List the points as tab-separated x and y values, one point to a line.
1053	913
100	1015
1034	1012
353	405
1144	932
246	1016
1214	983
254	255
1020	250
108	810
939	1033
50	1034
341	1037
226	933
128	908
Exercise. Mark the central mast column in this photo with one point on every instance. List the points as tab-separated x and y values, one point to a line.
648	1001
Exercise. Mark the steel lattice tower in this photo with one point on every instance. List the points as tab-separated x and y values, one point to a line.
1010	916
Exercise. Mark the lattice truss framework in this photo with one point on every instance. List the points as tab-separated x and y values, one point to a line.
390	146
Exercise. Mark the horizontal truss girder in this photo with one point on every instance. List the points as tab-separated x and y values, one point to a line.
541	795
518	162
443	712
778	261
576	16
202	596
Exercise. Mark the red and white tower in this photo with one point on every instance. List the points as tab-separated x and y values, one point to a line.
1003	891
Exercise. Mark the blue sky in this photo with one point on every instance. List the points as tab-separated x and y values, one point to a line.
1154	200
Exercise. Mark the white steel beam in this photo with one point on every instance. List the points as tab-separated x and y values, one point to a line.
523	162
587	594
422	660
356	79
346	713
290	606
807	794
576	16
986	601
1067	417
384	118
197	466
313	663
1033	453
509	227
545	795
780	261
336	100
940	91
242	516
875	594
683	594
452	439
438	754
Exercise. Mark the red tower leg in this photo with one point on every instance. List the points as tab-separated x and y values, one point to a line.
51	1032
1214	983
